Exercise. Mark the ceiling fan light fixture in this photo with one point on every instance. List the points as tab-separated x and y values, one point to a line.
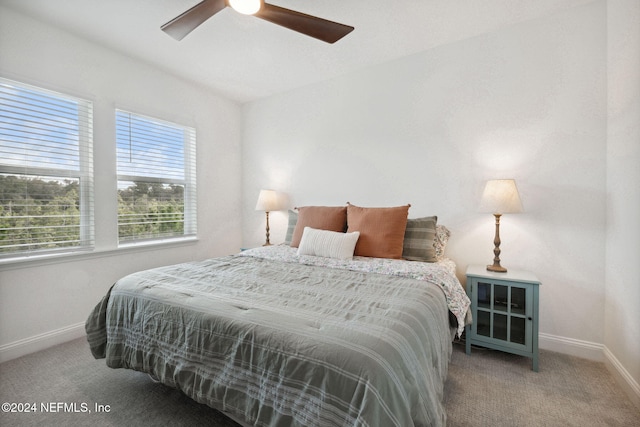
246	7
312	26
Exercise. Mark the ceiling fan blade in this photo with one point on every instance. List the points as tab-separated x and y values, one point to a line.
321	29
182	25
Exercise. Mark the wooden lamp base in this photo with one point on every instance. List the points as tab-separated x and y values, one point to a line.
496	267
267	242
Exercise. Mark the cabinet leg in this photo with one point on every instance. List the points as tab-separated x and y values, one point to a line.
467	341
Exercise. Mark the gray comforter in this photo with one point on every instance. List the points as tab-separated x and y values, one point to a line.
277	344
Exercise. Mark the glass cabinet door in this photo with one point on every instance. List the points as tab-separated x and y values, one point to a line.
501	312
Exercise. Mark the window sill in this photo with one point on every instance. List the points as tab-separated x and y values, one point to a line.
79	255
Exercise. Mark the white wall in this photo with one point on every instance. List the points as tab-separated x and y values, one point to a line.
46	302
528	102
552	103
622	326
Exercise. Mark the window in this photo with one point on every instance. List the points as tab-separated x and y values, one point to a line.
156	179
46	176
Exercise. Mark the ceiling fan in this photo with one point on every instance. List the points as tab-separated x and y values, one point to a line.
321	29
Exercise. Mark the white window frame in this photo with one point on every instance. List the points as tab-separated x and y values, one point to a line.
187	180
11	165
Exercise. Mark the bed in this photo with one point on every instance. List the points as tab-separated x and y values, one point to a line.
273	337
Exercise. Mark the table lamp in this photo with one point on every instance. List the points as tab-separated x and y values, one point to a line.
268	202
500	196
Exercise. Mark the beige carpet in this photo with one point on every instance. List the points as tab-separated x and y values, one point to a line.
485	389
490	388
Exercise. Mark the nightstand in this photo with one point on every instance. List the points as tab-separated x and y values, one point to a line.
505	311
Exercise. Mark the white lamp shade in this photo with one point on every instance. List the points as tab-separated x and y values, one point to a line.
268	201
501	196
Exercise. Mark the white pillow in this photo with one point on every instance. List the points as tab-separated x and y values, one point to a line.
330	244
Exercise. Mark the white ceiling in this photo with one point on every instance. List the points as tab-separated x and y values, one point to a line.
244	58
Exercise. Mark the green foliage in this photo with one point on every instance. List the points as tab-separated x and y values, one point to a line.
40	214
148	210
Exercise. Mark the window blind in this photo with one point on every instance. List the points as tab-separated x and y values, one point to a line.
46	171
156	178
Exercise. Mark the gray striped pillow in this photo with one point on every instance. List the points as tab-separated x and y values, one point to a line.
419	237
293	220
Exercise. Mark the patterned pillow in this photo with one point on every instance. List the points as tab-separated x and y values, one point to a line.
329	244
419	239
293	220
332	218
440	242
381	230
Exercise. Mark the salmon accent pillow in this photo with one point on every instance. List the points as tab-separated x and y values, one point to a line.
332	218
381	230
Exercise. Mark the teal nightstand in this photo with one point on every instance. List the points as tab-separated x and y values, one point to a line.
505	311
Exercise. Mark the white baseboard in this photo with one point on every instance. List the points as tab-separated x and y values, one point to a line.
622	376
40	342
584	349
593	351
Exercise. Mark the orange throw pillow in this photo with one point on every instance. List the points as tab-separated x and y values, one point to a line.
332	218
381	230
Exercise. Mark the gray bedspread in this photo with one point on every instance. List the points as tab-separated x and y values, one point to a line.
281	344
